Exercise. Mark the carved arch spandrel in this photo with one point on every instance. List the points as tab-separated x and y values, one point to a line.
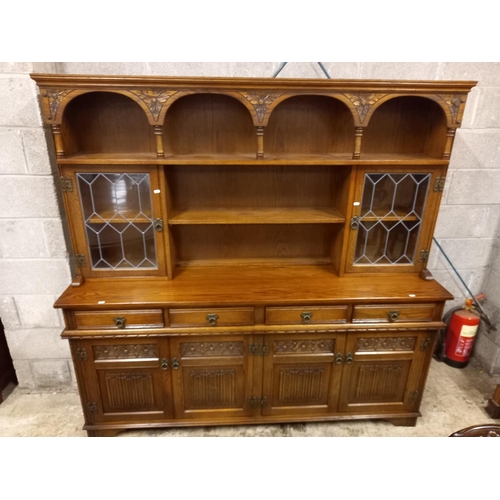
450	121
284	96
54	109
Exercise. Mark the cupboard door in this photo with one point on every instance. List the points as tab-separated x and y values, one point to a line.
382	371
212	376
126	380
301	374
114	214
392	218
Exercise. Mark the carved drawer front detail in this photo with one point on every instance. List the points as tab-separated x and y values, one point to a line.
127	351
212	387
386	344
304	346
300	385
130	390
208	349
379	381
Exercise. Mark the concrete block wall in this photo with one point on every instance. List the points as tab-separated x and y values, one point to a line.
34	265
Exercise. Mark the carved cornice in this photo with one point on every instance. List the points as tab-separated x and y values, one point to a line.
260	101
363	101
54	98
154	99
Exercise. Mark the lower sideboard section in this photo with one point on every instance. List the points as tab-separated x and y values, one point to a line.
143	382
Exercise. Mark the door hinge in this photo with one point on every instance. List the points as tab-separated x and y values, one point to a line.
439	184
425	344
424	256
92	407
258	349
66	184
81	354
256	402
80	260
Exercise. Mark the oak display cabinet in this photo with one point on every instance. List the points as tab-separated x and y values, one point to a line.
250	250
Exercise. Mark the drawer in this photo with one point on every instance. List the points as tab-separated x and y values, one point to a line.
306	315
227	316
393	313
119	320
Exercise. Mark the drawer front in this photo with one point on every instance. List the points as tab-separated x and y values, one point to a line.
229	316
119	320
393	313
306	315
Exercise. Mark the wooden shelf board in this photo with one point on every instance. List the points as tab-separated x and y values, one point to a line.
247	284
126	218
249	159
257	216
268	262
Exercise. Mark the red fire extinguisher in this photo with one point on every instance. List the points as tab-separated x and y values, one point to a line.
460	335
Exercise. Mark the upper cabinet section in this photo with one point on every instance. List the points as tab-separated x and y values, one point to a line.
103	119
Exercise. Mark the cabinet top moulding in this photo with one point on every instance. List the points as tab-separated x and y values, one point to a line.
260	95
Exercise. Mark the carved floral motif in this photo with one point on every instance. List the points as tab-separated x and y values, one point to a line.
363	101
54	98
128	351
154	99
453	101
194	349
260	101
306	346
386	344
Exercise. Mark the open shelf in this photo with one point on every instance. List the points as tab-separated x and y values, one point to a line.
206	124
406	126
254	243
106	123
256	216
310	124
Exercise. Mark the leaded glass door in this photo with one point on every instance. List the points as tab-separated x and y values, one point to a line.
116	214
391	219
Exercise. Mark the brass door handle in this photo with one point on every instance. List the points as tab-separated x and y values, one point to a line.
175	364
120	321
355	222
164	364
393	315
306	317
339	358
212	319
349	358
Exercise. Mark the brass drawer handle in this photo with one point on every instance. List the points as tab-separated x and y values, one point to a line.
120	321
175	364
349	358
306	317
393	316
212	319
164	364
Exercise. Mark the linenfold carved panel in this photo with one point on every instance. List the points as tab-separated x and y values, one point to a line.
379	381
130	390
207	349
126	351
304	346
300	385
211	388
386	344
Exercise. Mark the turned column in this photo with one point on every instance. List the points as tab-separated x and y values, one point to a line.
450	136
260	142
358	134
158	130
58	144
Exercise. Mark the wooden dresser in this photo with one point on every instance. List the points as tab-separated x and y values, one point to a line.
250	250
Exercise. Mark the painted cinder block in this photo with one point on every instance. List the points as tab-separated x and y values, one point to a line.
51	373
11	152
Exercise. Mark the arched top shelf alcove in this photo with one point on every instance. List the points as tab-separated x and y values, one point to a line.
310	125
106	123
209	124
406	125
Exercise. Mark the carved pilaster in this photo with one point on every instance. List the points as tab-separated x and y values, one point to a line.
260	142
56	133
158	130
358	134
450	136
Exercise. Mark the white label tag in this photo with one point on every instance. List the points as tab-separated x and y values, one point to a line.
468	331
156	191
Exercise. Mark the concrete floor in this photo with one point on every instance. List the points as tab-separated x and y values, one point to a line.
453	399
